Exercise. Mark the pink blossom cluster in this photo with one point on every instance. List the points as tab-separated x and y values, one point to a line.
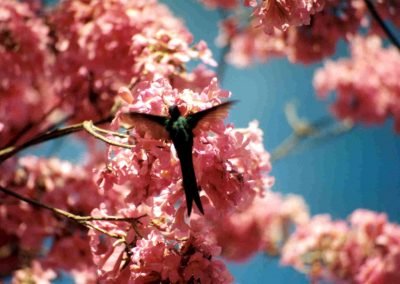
103	45
226	178
272	15
24	227
231	167
36	273
25	94
153	251
366	85
364	250
263	226
67	63
250	44
35	5
300	44
282	14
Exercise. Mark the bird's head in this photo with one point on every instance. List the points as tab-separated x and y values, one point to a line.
174	112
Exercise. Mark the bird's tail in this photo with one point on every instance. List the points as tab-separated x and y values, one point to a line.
189	182
192	194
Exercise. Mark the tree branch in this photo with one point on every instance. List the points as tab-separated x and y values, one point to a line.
314	133
382	24
31	125
92	130
49	135
82	220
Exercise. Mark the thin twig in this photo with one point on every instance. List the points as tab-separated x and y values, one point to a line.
303	131
53	134
83	220
30	125
60	132
101	130
322	132
88	126
112	235
382	24
58	123
285	147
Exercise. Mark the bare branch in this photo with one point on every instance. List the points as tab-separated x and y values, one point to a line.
53	134
82	220
382	24
311	133
89	127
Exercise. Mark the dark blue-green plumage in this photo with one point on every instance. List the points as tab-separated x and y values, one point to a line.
180	130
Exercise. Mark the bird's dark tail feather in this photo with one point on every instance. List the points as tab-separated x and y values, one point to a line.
189	181
191	196
189	201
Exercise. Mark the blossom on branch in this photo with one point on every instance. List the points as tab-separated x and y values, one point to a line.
366	85
300	44
261	227
56	183
231	167
364	250
25	93
282	14
103	45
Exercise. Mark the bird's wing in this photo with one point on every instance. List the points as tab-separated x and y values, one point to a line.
209	115
153	125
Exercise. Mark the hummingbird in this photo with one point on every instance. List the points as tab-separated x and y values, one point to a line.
179	129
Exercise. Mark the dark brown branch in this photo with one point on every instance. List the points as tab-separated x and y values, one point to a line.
382	24
53	134
77	218
31	125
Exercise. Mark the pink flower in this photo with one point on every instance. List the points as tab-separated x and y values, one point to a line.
262	226
151	253
281	14
368	101
36	274
366	251
252	44
231	166
321	249
151	166
25	92
103	45
56	183
196	80
10	258
300	42
379	271
72	254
